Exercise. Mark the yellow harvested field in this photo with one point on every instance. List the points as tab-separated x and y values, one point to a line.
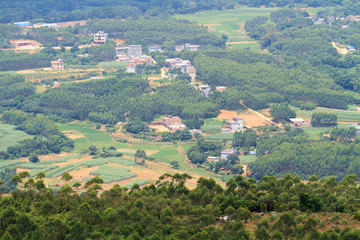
73	134
79	175
26	71
160	128
19	170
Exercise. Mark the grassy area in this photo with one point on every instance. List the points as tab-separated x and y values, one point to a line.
247	159
10	137
252	46
229	22
212	125
8	73
113	64
343	115
220	136
113	169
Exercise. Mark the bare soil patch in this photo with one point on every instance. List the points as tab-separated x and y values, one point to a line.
79	175
73	134
19	170
160	128
211	26
250	118
75	160
226	114
71	23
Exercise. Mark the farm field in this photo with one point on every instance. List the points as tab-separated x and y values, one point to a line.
250	118
9	136
230	23
122	170
346	116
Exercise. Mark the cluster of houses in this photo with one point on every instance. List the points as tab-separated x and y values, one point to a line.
187	46
37	25
206	89
226	153
174	123
184	65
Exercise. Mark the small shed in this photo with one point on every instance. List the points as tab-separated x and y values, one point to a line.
351	48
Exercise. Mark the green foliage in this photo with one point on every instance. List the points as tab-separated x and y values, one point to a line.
47	136
282	112
33	158
245	139
321	119
158	31
10	137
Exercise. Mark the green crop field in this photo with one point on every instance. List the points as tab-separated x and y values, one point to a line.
230	23
9	136
113	64
343	115
113	169
113	174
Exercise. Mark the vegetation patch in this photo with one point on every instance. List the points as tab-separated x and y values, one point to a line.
113	174
10	137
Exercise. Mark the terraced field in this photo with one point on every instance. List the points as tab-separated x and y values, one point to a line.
230	23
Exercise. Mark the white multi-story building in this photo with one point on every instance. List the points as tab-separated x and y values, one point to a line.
100	37
134	51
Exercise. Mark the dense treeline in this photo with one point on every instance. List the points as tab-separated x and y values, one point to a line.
13	90
147	31
48	138
261	78
299	43
50	11
169	210
19	61
113	99
293	152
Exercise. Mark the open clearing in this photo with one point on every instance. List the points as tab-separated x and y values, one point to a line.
114	170
230	23
250	118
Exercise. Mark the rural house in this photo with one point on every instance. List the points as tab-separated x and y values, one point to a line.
173	123
213	159
57	64
351	48
356	126
205	90
190	70
22	24
100	37
227	152
155	48
131	68
236	124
